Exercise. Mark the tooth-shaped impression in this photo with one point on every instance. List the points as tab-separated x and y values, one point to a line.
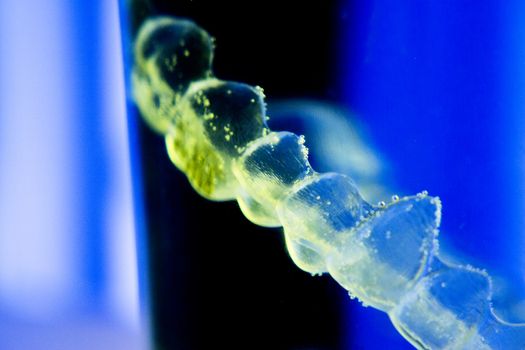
322	209
270	166
170	54
453	301
398	240
386	255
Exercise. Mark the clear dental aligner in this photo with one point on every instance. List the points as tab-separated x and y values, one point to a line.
384	255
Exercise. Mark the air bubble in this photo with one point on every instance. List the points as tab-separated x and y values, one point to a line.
422	194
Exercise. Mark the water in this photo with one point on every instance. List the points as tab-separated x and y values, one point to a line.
406	319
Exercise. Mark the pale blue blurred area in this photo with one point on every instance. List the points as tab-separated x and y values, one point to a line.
68	270
337	142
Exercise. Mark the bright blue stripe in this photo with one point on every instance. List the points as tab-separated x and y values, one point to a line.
92	152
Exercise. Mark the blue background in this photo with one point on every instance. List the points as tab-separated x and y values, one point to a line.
441	87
